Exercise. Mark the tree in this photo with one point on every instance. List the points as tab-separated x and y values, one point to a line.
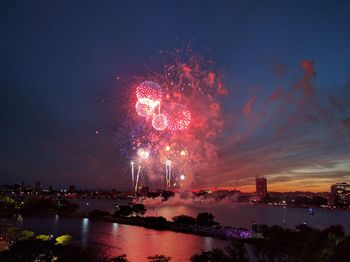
7	206
206	219
183	219
64	207
159	258
121	258
236	251
139	209
341	251
123	211
39	250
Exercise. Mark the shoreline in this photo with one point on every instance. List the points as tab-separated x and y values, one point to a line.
161	224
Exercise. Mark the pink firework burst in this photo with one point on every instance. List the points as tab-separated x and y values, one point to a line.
145	107
179	117
149	90
160	122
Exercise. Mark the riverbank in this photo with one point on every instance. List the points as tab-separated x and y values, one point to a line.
160	223
113	239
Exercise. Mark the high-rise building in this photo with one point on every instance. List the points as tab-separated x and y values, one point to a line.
261	188
340	195
38	186
71	189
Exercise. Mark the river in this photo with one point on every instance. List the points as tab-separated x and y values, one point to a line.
237	215
115	239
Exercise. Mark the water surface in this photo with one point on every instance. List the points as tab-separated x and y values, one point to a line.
114	239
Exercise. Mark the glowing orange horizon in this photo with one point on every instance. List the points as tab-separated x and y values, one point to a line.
275	187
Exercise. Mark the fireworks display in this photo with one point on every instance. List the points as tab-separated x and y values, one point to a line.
149	90
177	118
145	107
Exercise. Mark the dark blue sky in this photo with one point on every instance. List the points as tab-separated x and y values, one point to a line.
60	59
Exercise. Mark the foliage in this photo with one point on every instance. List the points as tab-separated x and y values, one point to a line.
123	211
303	244
236	251
43	237
183	219
159	258
139	209
121	258
38	207
341	251
26	234
279	244
39	250
206	219
6	200
7	206
63	240
126	211
66	208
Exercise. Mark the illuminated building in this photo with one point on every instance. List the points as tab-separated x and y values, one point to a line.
340	195
261	188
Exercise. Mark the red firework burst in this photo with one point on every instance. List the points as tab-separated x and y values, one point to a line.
149	90
178	116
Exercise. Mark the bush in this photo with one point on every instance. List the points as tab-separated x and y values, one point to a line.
121	258
43	237
206	219
64	207
39	250
26	234
159	258
63	240
123	211
183	219
139	209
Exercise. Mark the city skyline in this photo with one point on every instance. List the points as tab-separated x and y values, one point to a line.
65	71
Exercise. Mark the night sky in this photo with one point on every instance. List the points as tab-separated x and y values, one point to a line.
286	64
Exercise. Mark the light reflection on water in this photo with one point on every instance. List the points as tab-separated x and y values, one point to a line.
114	239
84	231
